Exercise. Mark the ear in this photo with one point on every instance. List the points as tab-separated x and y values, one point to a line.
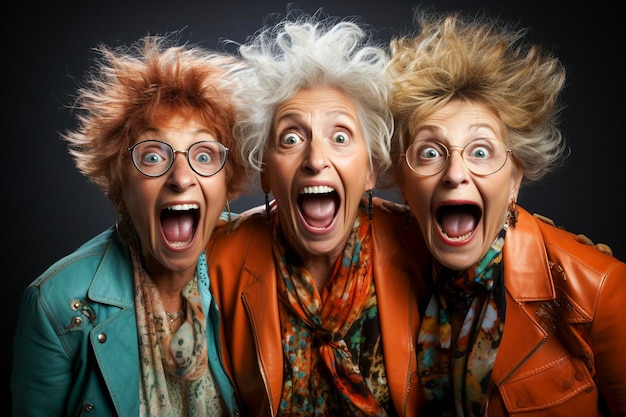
516	182
370	183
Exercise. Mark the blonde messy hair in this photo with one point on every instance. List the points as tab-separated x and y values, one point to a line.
132	88
484	60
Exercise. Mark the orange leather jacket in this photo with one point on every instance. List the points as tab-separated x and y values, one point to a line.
243	283
564	342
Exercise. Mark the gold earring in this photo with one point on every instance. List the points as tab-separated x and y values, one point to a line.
513	214
118	224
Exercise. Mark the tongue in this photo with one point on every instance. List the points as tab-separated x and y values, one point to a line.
457	223
179	227
318	211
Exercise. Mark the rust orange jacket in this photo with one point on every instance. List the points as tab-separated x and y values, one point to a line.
564	341
243	282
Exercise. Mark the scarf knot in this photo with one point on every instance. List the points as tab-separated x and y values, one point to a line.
455	374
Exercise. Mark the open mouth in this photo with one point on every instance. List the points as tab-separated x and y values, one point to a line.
318	205
458	222
179	223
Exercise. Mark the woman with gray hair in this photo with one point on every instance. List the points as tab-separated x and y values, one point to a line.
316	292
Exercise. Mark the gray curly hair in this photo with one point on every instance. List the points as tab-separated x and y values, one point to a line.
303	51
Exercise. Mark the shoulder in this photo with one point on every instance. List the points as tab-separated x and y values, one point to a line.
75	274
578	270
567	249
234	241
394	223
84	259
240	227
49	299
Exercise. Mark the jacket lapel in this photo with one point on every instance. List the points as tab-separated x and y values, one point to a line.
114	339
397	307
527	280
261	300
115	346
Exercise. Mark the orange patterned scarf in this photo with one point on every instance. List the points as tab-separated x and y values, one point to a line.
325	377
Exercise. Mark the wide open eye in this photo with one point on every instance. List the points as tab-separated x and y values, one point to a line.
207	157
152	157
427	152
290	138
479	149
485	156
340	137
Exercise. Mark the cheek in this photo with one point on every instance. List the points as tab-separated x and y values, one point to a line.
497	199
417	191
215	192
139	198
279	173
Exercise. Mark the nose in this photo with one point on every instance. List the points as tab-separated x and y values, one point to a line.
316	158
455	172
180	176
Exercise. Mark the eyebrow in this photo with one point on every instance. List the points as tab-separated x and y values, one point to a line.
474	126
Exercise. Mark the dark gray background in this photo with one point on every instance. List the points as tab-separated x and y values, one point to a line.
50	209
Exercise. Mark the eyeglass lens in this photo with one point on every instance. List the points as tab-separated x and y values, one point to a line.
154	158
481	156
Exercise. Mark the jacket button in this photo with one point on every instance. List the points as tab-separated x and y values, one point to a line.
567	384
522	403
76	321
102	338
88	407
76	305
579	376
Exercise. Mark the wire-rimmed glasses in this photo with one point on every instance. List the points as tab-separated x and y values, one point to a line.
154	158
480	156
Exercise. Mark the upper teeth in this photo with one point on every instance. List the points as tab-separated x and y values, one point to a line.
182	207
317	189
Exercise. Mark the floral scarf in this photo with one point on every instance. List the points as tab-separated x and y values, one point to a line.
455	377
333	351
175	377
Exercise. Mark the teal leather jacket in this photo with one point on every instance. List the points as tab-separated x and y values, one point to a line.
75	347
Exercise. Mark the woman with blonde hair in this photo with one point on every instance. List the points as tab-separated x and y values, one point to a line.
524	318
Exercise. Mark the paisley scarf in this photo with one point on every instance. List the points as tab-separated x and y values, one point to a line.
455	375
175	377
331	368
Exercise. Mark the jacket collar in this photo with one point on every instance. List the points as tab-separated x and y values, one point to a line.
527	279
113	281
526	265
259	295
398	310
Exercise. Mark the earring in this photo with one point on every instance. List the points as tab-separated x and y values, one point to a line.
121	226
406	214
228	209
267	207
370	205
117	222
513	214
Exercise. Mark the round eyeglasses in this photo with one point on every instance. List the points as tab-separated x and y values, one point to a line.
154	158
480	156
